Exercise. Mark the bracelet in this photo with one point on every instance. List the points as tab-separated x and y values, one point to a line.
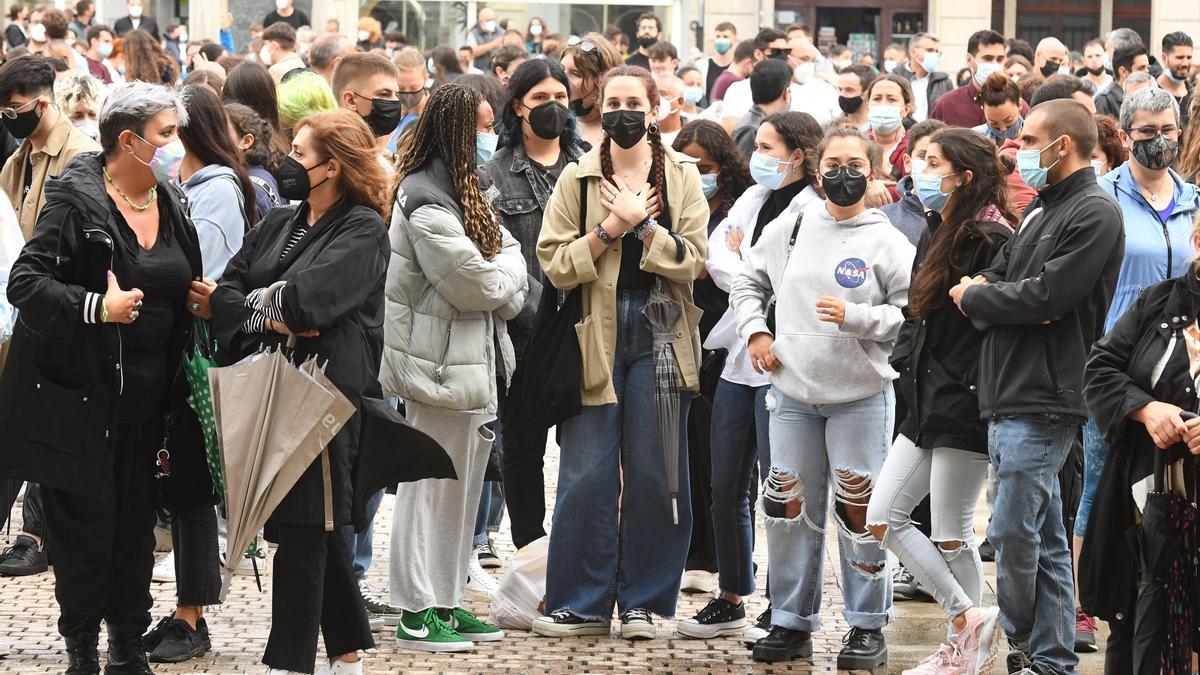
103	310
646	228
603	236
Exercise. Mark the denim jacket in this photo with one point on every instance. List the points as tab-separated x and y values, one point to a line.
518	192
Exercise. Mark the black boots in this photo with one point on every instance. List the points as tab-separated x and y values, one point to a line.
125	653
82	655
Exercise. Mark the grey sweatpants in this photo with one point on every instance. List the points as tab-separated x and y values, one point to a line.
434	519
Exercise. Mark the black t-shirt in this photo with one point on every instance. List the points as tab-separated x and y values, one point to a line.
777	202
163	273
638	59
555	171
297	20
714	71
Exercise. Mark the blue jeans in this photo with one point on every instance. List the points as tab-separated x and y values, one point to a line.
812	447
1095	451
612	459
359	544
491	507
738	410
1034	586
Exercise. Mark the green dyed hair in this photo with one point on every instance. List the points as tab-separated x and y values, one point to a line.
302	95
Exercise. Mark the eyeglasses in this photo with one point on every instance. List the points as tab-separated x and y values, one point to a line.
11	113
585	46
1145	133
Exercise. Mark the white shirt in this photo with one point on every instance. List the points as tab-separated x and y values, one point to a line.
1101	88
920	89
668	137
817	98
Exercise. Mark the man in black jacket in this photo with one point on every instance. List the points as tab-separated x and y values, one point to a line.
1042	303
924	54
135	20
1126	60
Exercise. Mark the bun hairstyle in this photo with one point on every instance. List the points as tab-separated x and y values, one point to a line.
999	89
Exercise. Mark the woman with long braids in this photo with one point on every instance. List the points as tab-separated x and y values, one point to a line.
612	455
586	60
723	177
455	277
942	449
783	166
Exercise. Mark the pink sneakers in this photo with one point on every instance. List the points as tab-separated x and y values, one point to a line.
972	651
945	661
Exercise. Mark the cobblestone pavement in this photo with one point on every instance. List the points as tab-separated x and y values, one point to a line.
239	629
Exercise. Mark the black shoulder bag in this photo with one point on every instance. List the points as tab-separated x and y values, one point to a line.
791	245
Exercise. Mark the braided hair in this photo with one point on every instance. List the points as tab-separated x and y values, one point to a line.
658	175
447	131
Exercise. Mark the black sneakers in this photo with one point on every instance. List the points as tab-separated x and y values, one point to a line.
784	644
151	639
486	554
862	649
637	624
565	623
180	642
23	558
719	617
987	552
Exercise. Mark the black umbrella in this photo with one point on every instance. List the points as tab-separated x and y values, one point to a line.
391	450
1158	545
660	313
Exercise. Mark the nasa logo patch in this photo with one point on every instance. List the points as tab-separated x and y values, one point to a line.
850	273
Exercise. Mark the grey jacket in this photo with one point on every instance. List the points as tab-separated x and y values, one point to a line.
446	305
866	262
908	214
746	131
215	198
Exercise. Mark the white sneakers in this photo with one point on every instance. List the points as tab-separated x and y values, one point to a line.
164	570
340	668
481	586
698	581
5	649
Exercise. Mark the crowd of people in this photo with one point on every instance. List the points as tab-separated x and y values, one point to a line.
766	282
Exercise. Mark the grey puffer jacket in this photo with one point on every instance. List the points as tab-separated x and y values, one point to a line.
446	305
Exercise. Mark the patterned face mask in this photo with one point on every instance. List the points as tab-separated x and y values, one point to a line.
1155	153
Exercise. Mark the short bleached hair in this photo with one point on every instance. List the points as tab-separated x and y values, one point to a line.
76	87
131	105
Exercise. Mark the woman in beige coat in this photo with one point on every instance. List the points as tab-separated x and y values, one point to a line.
646	223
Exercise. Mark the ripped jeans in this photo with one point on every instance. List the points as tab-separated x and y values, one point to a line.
812	446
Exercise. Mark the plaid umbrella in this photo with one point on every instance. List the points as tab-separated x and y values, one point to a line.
196	365
660	313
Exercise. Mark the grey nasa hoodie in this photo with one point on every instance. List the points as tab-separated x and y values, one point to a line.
866	262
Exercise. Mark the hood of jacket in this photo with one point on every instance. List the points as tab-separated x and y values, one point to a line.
208	173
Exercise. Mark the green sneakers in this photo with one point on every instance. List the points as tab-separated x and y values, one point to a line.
427	632
469	626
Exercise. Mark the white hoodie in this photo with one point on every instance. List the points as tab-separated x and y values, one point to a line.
866	262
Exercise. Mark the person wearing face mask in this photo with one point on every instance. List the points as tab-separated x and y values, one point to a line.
255	139
1177	65
1041	308
100	47
330	249
711	67
136	20
840	57
961	107
670	106
783	165
839	275
768	44
893	57
1126	60
693	93
643	236
537	141
853	82
941	449
413	96
1002	103
586	60
368	84
889	101
769	88
928	83
457	273
908	213
1052	58
1094	69
811	94
649	31
484	38
107	269
285	11
534	33
78	96
278	51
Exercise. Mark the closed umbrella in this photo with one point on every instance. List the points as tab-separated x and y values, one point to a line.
196	364
660	313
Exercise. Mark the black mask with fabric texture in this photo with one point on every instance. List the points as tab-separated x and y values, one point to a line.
26	122
384	116
1096	72
624	127
844	186
850	104
548	120
294	183
1155	153
1049	68
647	42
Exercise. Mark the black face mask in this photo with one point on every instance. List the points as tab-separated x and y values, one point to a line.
384	117
1049	68
850	104
779	55
624	127
548	119
844	186
1096	72
411	99
647	42
293	179
26	122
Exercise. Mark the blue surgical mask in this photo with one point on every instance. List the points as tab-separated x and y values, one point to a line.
765	170
1029	163
485	146
984	70
1108	61
928	187
931	61
692	95
889	65
708	184
884	118
1007	135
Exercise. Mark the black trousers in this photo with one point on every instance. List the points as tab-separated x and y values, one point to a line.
103	551
522	465
702	554
314	590
197	556
32	510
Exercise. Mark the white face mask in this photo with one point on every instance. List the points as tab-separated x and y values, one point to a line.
664	108
535	30
264	55
37	32
135	11
1098	167
489	26
183	36
364	35
281	5
804	71
89	128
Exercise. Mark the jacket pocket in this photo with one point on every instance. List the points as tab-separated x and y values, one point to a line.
513	206
686	345
66	420
594	366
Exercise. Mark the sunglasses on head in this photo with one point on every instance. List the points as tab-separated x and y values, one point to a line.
586	46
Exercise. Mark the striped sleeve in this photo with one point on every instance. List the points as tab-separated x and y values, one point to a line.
93	304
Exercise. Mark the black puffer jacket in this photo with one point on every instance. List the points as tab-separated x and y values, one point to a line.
937	357
61	389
